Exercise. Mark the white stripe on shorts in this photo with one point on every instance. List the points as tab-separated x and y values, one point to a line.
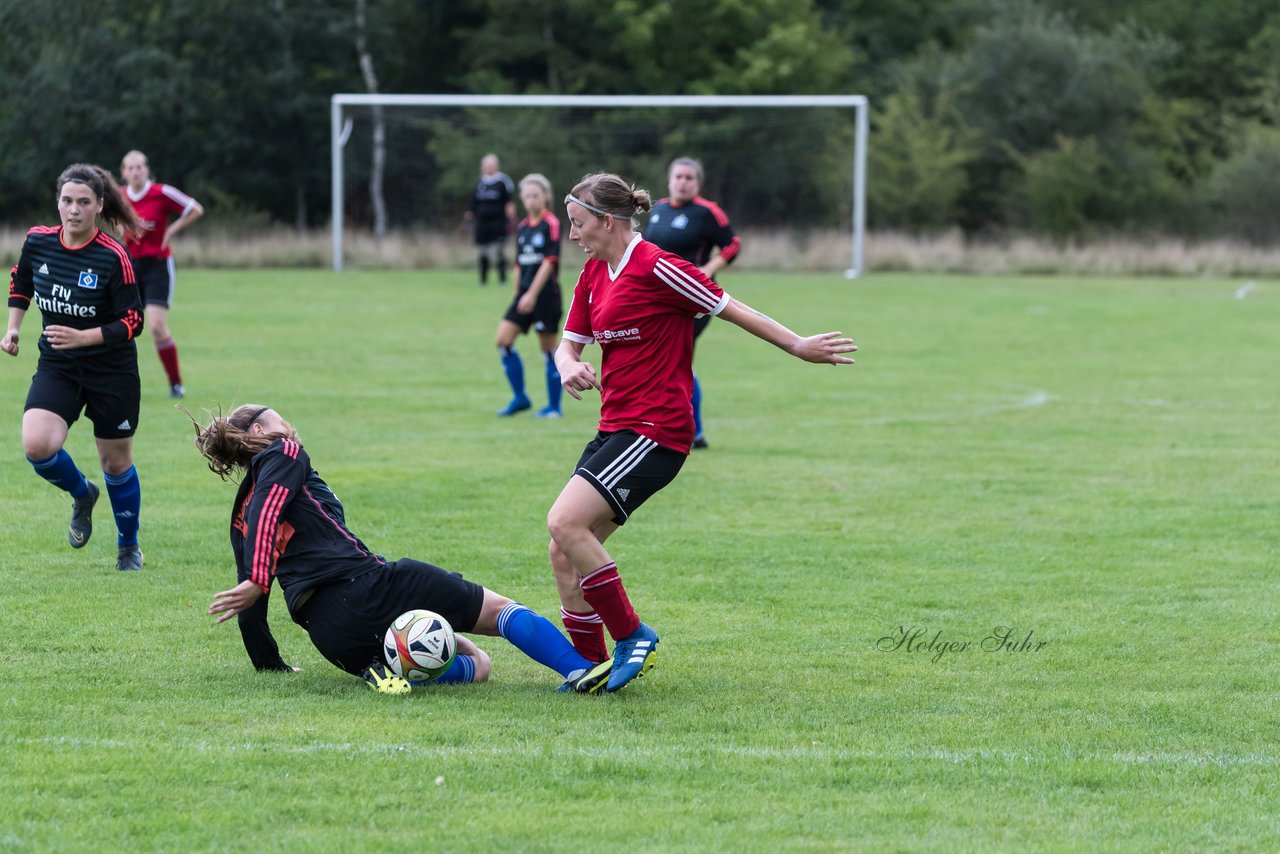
172	269
626	461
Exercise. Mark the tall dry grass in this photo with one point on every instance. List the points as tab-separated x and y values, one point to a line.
762	250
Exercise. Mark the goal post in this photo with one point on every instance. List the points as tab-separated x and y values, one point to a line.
340	132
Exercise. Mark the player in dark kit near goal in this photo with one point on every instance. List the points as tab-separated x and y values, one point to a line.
698	231
288	526
639	304
82	280
492	213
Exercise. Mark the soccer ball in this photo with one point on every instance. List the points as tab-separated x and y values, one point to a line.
419	645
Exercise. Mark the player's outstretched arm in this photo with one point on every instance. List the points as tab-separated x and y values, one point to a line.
823	349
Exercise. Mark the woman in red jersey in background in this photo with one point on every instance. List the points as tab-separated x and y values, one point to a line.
639	304
698	231
83	283
152	258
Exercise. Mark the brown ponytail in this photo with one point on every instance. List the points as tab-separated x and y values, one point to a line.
227	443
612	194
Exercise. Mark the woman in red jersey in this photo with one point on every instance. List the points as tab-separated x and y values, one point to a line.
639	304
152	257
82	281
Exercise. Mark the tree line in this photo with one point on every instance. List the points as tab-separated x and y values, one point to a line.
1065	118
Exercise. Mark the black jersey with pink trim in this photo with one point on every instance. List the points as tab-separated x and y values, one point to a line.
537	242
642	317
692	229
287	524
83	287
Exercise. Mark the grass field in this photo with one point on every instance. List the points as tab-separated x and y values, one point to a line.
1091	462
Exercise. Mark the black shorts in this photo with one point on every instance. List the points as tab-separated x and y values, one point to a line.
106	387
626	468
348	620
491	231
546	315
156	279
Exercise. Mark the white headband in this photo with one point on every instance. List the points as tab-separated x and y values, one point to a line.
595	210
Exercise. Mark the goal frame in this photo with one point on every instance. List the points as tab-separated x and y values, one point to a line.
340	130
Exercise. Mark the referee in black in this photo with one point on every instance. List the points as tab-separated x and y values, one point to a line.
82	280
492	215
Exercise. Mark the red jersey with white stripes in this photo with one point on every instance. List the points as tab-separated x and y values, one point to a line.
154	205
642	317
287	524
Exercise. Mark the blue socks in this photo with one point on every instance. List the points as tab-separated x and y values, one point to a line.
538	638
463	669
514	369
554	389
696	400
61	471
126	503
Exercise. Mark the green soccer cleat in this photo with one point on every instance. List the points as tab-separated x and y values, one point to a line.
384	681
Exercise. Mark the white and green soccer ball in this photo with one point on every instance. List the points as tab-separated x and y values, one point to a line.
419	645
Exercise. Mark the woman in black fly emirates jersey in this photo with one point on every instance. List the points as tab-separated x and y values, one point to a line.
639	304
82	280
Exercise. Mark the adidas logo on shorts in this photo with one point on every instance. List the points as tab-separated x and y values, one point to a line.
623	493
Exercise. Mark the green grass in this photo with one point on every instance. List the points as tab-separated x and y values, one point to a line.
1090	460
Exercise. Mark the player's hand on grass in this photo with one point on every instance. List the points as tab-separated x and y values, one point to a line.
10	342
579	377
825	349
228	603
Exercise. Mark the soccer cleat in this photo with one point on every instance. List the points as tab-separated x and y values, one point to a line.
548	412
177	392
382	680
589	681
700	441
633	657
130	558
81	527
518	404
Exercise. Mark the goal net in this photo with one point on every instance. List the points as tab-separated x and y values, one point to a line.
790	166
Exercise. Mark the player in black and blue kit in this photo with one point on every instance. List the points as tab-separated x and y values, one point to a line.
536	301
493	210
693	228
82	281
288	526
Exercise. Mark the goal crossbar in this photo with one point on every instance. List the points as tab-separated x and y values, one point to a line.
338	133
